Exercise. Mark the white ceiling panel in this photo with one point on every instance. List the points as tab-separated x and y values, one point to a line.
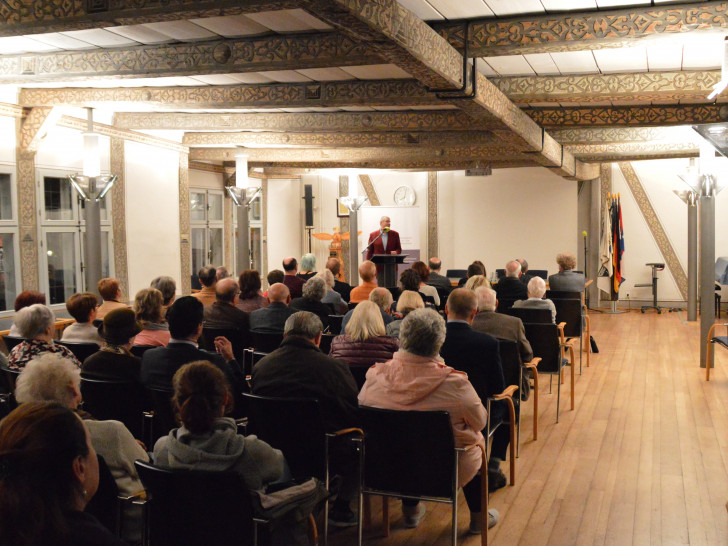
376	72
231	26
325	74
513	7
285	76
288	20
602	4
434	107
568	5
575	62
698	56
61	41
184	31
390	108
422	9
251	77
100	37
215	79
140	33
510	65
541	104
542	64
625	59
357	109
664	56
485	69
21	44
462	9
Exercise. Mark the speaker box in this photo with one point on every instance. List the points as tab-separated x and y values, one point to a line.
308	201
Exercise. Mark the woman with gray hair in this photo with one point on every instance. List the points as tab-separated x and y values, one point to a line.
51	378
36	325
417	379
308	267
332	297
314	291
168	288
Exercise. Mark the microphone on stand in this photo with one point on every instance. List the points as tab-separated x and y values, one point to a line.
382	232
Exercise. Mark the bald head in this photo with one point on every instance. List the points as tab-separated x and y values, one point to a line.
462	304
513	269
367	271
434	264
290	265
279	293
226	290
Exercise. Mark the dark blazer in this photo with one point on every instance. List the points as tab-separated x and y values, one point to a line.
342	288
316	307
224	315
294	284
477	355
270	319
298	369
439	281
504	326
511	288
160	364
108	365
393	244
567	281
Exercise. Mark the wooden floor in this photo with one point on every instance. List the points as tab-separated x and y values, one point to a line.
642	460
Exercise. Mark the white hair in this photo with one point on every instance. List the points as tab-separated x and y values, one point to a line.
536	287
48	378
486	298
314	289
328	278
422	332
34	320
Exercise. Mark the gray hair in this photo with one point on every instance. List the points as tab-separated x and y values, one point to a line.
303	324
314	289
308	262
47	379
166	286
422	332
536	287
486	298
33	321
328	278
382	297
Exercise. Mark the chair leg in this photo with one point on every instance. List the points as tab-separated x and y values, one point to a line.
571	350
558	396
367	502
312	531
535	405
385	516
512	427
588	341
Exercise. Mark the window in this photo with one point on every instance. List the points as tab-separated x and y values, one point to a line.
206	228
255	234
63	238
9	247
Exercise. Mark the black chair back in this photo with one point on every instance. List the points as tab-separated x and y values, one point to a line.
80	350
104	505
531	315
543	273
293	425
409	452
562	295
163	421
325	345
352	305
335	324
189	508
544	340
443	293
504	305
266	342
569	311
12	341
98	322
499	273
139	350
10	377
7	404
512	366
114	399
239	339
456	273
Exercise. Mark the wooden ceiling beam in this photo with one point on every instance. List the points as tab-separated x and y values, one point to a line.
629	116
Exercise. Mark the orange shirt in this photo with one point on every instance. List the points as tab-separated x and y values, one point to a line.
361	292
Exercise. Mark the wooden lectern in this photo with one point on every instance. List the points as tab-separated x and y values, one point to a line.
387	268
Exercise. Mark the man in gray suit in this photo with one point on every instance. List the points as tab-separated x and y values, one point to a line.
566	280
500	325
271	319
437	280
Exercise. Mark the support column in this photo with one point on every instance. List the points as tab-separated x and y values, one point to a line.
692	260
264	221
707	273
184	225
242	240
595	206
353	246
92	251
27	220
432	226
351	276
118	215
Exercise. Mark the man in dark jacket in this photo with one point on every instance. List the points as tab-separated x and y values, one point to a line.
510	288
437	280
270	320
223	313
298	369
477	355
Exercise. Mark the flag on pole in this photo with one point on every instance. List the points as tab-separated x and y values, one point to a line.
604	277
617	244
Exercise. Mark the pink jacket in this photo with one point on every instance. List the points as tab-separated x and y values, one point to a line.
411	382
158	338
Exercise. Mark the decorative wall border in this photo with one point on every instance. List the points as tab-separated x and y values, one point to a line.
118	214
27	217
369	189
432	218
656	228
184	225
264	230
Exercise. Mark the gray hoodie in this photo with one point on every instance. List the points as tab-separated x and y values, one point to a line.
221	449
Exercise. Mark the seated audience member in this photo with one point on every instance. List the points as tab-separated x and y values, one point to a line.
332	297
417	379
114	360
53	379
37	326
207	440
308	267
476	354
291	280
110	291
221	273
383	298
313	292
168	288
344	289
510	287
365	341
567	280
25	299
500	325
476	281
208	281
49	474
525	275
435	279
274	277
82	307
149	311
271	319
408	301
250	297
410	280
298	369
185	319
430	291
536	291
368	274
224	313
475	268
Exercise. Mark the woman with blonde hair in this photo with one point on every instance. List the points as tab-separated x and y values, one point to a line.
476	281
408	301
365	342
149	310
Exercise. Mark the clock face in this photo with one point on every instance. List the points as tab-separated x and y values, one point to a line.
404	196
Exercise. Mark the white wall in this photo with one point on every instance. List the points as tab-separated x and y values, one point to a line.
152	214
204	179
285	221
